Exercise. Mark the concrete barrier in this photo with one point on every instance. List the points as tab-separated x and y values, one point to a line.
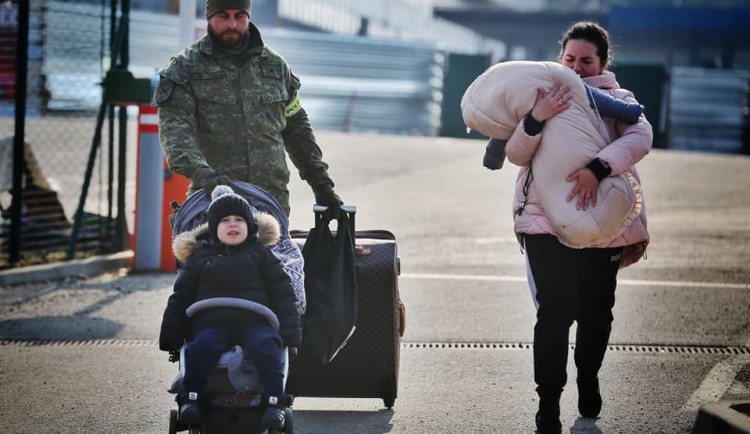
723	417
88	267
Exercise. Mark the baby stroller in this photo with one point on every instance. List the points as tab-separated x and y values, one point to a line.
231	401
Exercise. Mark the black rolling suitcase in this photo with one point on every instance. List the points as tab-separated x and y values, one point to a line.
367	366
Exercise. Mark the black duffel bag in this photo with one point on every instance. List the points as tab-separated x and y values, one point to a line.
330	288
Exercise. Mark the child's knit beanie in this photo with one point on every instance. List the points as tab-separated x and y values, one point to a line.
225	202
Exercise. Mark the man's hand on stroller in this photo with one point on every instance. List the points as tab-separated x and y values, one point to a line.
208	179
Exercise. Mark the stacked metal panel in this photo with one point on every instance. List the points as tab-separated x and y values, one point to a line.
349	83
365	84
708	109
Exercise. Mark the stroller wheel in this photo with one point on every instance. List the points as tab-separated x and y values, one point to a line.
288	421
173	422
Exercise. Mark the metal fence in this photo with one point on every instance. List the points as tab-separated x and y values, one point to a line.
349	84
68	48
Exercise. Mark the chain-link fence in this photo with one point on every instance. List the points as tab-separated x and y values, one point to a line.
68	54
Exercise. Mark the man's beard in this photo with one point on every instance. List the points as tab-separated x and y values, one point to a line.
228	39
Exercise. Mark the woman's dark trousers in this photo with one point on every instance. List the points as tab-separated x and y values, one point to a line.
571	285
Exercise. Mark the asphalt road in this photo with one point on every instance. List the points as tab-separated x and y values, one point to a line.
681	335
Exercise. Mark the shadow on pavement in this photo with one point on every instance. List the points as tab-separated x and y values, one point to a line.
370	422
584	425
72	327
81	324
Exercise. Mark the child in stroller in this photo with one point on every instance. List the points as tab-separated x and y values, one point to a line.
229	291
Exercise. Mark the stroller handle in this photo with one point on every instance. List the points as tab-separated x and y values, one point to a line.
351	209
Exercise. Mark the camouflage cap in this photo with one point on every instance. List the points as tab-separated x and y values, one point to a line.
215	6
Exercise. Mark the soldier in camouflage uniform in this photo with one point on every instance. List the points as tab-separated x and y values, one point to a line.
229	109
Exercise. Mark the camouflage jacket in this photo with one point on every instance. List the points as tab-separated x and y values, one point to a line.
237	114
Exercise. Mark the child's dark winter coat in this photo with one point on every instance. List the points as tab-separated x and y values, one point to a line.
248	271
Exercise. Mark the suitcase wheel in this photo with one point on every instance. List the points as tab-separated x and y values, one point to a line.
389	392
389	401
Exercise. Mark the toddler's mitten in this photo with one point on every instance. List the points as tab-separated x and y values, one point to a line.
494	154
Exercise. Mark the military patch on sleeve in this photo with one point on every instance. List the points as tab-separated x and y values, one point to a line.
293	107
163	90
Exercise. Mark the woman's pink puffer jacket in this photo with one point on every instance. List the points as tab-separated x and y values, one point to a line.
630	143
495	105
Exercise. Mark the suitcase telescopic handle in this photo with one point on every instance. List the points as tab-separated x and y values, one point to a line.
351	211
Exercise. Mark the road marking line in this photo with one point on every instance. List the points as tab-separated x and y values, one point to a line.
631	282
682	284
659	349
717	382
495	240
478	277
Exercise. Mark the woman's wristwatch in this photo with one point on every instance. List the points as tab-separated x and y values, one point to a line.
599	168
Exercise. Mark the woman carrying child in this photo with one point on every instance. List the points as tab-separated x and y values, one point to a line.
571	284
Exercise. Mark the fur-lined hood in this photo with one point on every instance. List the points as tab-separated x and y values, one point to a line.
186	243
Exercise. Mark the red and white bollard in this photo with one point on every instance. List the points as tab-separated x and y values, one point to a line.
156	187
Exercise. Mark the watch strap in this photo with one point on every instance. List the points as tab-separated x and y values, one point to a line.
599	168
